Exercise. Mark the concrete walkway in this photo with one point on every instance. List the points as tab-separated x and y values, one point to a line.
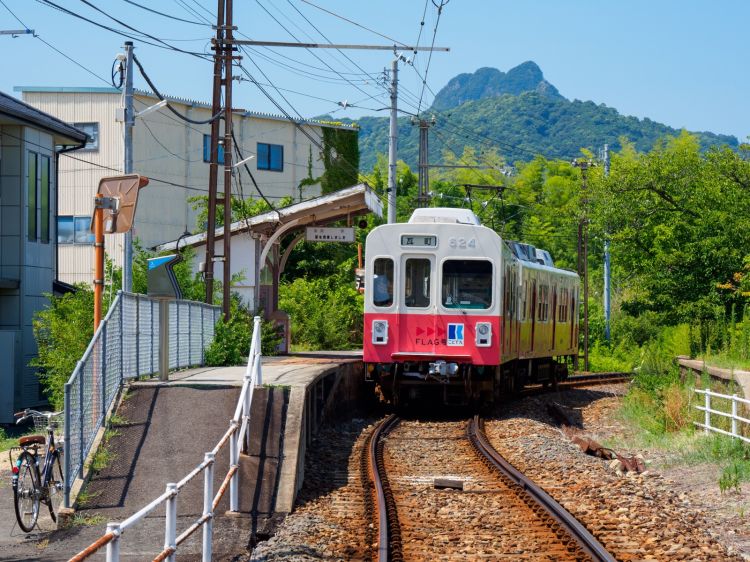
742	378
167	428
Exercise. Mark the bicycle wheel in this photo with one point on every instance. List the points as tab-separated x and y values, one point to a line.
55	487
26	492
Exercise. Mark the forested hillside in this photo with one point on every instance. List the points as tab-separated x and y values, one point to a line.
531	118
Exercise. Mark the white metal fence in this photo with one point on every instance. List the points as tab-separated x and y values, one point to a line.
235	436
126	346
732	414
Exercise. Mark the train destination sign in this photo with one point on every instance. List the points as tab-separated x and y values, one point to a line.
321	234
419	241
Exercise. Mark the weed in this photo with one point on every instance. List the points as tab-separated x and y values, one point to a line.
86	520
85	498
102	458
730	478
117	419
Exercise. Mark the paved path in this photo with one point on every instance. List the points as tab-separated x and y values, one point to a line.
168	427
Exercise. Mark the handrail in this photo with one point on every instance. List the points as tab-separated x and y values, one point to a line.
235	435
734	416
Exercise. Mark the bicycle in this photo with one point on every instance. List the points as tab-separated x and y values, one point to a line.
32	484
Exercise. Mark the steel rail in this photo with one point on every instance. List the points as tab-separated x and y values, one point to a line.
389	536
583	538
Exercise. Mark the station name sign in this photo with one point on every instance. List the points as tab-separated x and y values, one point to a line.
323	234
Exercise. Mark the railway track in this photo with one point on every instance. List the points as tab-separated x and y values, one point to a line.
499	514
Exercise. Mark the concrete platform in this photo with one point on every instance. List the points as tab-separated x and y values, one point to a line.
169	425
698	367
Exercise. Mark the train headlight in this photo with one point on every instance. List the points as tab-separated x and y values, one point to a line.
483	334
380	332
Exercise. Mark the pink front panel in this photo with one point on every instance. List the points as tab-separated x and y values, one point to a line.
426	337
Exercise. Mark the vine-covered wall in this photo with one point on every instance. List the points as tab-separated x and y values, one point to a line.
340	159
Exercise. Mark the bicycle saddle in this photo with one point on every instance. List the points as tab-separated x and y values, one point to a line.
31	439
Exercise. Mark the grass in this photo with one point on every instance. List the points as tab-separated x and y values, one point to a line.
725	361
85	520
85	498
9	437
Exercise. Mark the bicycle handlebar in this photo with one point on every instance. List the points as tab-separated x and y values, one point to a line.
27	413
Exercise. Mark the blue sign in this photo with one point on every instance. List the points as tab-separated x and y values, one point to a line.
455	334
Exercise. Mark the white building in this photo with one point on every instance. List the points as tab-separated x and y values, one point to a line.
174	154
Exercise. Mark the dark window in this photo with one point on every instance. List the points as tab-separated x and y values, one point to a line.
31	198
467	284
382	282
417	283
44	196
92	130
83	234
270	157
543	304
64	230
207	150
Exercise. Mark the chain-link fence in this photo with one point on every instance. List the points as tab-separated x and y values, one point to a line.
126	346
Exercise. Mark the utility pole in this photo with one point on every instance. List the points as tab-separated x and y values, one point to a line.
583	254
607	270
393	143
223	57
129	121
423	198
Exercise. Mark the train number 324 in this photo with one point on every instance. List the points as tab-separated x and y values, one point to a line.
461	242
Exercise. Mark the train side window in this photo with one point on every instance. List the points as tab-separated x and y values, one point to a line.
562	313
524	299
468	284
543	306
382	282
417	283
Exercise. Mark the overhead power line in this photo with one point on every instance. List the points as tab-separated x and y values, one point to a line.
169	16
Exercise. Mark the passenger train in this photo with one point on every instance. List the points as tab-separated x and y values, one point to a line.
457	314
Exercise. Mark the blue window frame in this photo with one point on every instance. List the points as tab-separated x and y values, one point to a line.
74	230
207	150
270	157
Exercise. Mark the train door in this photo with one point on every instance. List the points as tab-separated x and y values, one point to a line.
507	312
573	310
417	329
532	314
553	314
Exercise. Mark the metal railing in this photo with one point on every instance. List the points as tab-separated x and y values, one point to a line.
732	415
126	346
235	436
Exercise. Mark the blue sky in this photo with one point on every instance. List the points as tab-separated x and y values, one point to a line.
683	63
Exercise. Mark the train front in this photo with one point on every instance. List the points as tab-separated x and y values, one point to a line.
432	307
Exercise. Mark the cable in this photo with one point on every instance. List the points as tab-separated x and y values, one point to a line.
395	42
247	169
162	98
94	74
429	59
165	15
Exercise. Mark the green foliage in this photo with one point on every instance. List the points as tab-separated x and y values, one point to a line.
340	159
62	330
325	313
231	343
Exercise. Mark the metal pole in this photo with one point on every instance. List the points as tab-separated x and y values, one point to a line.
98	261
66	451
707	417
103	370
424	179
127	265
163	340
170	523
393	143
734	415
234	460
113	546
607	270
208	497
80	418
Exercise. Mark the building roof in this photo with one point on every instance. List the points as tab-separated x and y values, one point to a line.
20	111
184	101
356	200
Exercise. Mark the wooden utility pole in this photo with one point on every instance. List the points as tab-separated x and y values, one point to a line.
583	254
223	57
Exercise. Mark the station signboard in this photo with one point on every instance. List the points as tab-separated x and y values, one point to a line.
325	234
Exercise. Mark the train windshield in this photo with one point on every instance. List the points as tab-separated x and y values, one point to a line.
467	284
417	283
382	282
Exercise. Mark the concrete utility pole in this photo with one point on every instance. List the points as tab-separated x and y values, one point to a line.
393	143
607	270
127	258
423	197
583	254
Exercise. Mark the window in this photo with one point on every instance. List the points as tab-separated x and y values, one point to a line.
270	157
543	304
207	150
31	198
382	282
467	284
74	230
92	130
562	313
524	299
64	230
44	196
417	283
